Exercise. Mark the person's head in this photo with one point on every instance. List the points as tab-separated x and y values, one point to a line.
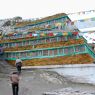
17	57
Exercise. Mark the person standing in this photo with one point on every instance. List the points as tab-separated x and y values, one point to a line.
14	77
18	64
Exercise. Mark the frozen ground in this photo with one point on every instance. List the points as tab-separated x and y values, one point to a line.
39	81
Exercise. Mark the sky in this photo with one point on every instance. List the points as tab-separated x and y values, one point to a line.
28	9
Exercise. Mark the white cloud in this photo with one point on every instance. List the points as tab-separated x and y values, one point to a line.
41	8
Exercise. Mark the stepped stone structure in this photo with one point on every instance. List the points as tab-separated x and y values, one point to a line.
51	37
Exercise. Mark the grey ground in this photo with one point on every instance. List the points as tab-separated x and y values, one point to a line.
39	81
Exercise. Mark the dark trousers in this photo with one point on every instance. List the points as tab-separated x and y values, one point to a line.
19	69
15	88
